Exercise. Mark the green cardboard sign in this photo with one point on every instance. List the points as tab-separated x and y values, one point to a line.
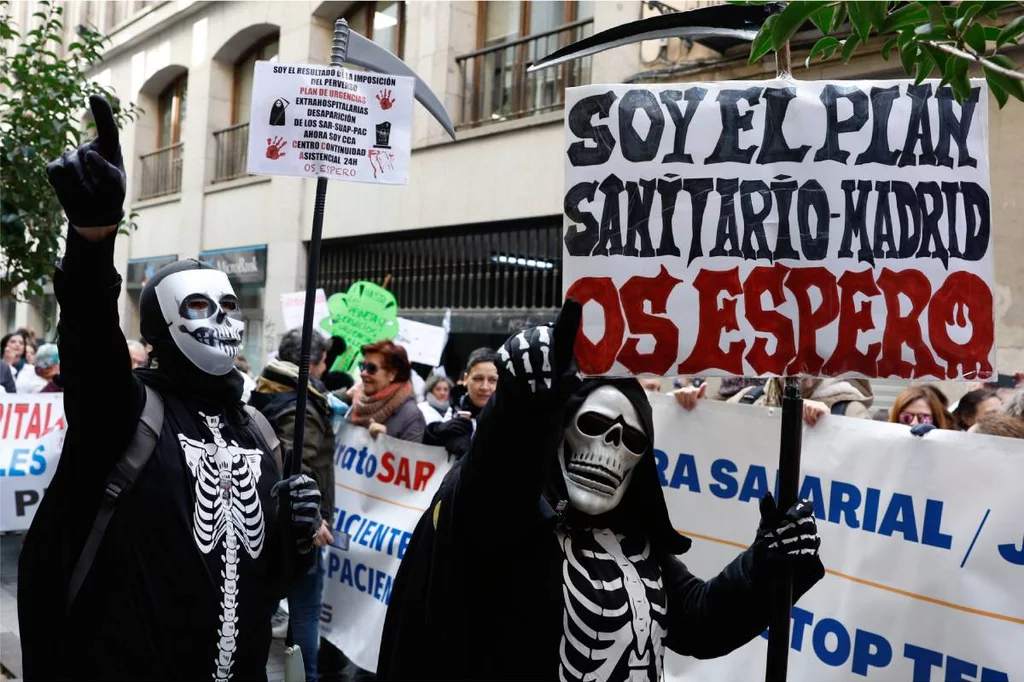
367	312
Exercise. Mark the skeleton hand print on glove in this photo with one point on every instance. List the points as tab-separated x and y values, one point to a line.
304	501
537	360
794	534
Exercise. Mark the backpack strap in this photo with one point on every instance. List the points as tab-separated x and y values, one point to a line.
120	481
268	434
840	407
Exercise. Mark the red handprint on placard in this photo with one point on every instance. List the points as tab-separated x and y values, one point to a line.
385	99
274	147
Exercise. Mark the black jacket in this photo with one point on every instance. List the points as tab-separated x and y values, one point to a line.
152	604
479	592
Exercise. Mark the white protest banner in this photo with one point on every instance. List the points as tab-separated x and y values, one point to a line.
780	228
383	485
921	539
423	342
293	304
317	121
31	437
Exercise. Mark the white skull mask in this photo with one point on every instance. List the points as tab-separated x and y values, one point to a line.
603	443
204	318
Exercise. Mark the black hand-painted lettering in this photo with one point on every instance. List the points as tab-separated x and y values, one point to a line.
634	147
919	128
581	125
811	196
580	242
831	150
727	237
728	148
883	223
855	218
909	214
774	148
610	241
698	189
878	150
668	190
950	190
753	220
930	221
783	189
957	129
978	212
670	98
639	199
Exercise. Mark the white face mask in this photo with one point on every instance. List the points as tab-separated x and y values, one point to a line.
603	443
204	318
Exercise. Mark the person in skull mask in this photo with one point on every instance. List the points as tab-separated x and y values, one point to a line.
548	552
196	555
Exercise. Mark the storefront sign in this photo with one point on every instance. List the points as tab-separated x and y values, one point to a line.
141	269
318	121
780	228
245	265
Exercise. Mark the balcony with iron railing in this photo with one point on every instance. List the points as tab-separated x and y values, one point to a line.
161	171
232	145
497	87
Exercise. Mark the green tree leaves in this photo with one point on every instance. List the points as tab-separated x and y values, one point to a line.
932	38
42	92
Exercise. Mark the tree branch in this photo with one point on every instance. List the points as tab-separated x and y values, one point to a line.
956	52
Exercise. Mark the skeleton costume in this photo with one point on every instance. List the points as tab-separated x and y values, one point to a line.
548	552
197	554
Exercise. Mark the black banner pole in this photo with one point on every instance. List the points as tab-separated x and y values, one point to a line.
339	49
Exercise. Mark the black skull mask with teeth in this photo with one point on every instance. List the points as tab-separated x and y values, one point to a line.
203	316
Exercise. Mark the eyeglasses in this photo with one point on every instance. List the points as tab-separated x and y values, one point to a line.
908	418
368	367
593	424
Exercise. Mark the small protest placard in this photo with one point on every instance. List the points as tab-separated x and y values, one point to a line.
319	121
423	342
367	312
293	305
780	228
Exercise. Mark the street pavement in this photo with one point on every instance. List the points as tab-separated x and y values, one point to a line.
10	644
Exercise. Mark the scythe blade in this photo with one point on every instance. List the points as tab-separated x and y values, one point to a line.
369	55
738	23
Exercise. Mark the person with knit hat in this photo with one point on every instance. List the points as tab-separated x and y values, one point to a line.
198	551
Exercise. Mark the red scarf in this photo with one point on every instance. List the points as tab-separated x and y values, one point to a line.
380	406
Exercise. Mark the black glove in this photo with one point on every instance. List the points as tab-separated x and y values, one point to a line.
90	181
304	503
539	362
794	534
454	434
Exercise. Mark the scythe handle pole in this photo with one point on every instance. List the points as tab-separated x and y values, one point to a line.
339	50
789	483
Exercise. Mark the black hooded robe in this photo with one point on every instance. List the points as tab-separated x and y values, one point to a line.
479	592
153	604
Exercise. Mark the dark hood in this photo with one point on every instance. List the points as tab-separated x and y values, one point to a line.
643	508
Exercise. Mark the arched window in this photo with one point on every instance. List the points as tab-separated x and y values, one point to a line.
171	108
263	51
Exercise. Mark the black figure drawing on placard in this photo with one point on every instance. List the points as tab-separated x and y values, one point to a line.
383	135
277	111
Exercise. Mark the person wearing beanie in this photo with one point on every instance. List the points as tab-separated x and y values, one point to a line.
196	554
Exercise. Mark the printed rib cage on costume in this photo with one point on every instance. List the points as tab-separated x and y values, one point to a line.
615	608
227	510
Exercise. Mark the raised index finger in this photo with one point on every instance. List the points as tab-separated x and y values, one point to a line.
106	127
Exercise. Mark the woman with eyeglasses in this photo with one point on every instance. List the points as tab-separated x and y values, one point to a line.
384	402
919	405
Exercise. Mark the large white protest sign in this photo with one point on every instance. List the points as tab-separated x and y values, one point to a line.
293	304
423	342
319	121
921	538
383	485
32	431
780	228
